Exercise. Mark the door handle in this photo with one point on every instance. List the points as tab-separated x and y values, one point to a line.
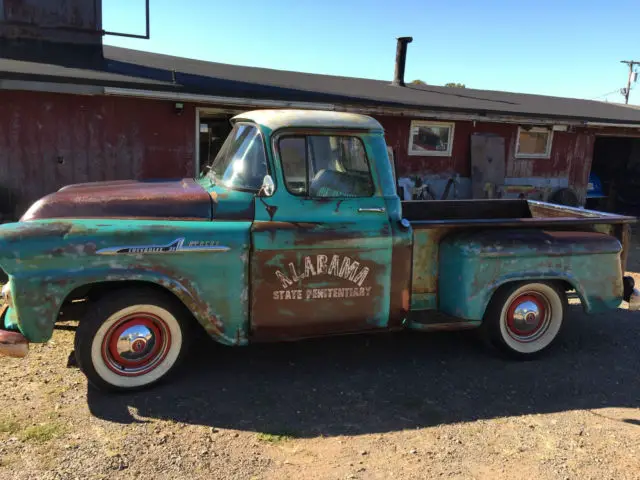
371	210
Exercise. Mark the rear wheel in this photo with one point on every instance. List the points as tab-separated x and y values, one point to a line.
131	340
524	319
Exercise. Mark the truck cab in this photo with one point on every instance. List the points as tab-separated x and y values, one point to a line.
295	230
329	251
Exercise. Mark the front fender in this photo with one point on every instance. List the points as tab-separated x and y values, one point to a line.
37	299
204	264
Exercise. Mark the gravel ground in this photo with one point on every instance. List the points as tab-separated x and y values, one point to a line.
365	407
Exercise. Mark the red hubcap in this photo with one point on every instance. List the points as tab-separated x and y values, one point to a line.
136	344
527	317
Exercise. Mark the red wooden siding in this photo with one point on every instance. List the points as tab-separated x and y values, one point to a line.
51	140
570	158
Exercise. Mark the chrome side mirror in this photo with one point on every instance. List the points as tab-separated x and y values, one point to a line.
268	187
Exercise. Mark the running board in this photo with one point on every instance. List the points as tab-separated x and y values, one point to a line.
429	320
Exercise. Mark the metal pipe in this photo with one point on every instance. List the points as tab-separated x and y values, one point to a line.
147	34
401	60
148	15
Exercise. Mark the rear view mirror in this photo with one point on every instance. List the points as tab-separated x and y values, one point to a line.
268	187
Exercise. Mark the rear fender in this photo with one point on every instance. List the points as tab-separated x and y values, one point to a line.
474	265
565	278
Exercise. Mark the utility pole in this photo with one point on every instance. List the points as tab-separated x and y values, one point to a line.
631	63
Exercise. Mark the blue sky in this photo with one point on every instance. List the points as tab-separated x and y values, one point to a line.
552	47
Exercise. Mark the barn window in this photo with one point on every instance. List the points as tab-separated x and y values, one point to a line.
534	142
430	138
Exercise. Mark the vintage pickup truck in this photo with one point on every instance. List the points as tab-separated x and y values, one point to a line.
295	230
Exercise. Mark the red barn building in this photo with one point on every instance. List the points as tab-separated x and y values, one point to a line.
73	110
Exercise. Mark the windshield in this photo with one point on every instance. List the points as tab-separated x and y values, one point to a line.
241	163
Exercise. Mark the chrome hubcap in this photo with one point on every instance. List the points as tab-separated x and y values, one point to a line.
526	316
135	343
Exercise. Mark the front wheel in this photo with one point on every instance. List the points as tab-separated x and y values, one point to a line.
524	319
131	339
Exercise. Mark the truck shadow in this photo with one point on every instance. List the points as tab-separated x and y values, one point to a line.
379	383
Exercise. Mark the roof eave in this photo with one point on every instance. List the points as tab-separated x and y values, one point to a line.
165	91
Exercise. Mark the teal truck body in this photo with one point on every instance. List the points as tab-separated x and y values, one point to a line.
295	230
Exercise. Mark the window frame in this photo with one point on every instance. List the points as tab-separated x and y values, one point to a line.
264	150
548	147
431	153
306	163
305	133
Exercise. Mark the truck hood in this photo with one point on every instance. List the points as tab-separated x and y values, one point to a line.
167	199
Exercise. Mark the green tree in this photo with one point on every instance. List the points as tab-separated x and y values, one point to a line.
418	82
455	85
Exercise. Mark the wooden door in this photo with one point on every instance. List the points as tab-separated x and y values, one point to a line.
487	163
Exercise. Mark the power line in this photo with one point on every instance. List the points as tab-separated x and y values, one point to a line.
631	63
617	90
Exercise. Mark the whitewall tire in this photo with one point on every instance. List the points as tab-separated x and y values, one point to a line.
525	319
131	340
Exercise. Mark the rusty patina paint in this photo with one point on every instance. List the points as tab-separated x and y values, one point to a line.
424	285
623	233
323	266
183	199
228	204
47	259
296	294
401	268
319	279
474	265
318	234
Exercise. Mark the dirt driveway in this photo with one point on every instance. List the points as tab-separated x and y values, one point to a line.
371	407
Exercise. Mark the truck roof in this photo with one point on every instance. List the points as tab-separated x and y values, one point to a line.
276	119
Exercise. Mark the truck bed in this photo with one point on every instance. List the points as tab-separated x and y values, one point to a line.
503	213
433	221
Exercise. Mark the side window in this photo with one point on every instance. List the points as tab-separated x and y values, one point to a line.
325	166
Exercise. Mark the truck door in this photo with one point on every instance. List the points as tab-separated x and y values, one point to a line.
322	243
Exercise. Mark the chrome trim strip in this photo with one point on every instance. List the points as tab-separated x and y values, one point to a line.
371	210
177	246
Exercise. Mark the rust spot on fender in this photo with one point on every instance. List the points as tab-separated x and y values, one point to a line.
273	226
183	199
271	210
